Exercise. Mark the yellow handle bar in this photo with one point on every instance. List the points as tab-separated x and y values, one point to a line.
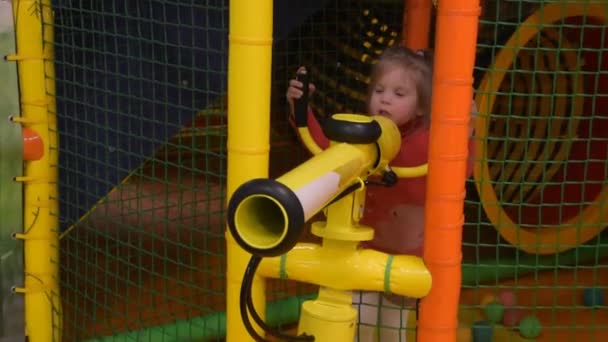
401	172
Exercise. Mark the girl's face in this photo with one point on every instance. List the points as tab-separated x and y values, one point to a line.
394	96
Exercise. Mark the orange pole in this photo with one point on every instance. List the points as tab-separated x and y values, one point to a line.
416	24
448	151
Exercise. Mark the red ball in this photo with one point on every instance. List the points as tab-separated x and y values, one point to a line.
507	298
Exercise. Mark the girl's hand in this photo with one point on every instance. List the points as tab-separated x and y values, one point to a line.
294	91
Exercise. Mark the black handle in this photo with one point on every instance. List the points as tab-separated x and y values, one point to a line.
301	104
351	132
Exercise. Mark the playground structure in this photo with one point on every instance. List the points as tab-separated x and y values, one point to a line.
139	103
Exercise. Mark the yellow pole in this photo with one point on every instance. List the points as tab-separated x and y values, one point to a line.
34	35
249	71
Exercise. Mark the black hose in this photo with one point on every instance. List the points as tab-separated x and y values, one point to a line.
246	305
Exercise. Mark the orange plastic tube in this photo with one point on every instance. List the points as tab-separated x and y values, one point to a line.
416	24
448	151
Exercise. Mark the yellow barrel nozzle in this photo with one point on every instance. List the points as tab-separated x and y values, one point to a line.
264	230
265	217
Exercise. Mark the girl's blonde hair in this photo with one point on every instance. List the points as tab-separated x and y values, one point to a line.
418	64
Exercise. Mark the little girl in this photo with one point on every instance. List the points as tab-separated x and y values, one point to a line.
400	89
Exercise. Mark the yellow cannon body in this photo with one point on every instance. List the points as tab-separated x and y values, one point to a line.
267	217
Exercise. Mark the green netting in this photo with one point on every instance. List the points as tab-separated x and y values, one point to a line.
11	206
141	93
544	154
142	127
141	96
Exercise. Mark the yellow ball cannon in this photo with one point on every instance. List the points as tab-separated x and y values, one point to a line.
266	218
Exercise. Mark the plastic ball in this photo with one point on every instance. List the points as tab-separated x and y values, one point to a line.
482	331
494	312
462	334
487	299
529	327
593	296
507	298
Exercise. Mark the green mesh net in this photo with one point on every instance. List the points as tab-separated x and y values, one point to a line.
541	177
141	94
